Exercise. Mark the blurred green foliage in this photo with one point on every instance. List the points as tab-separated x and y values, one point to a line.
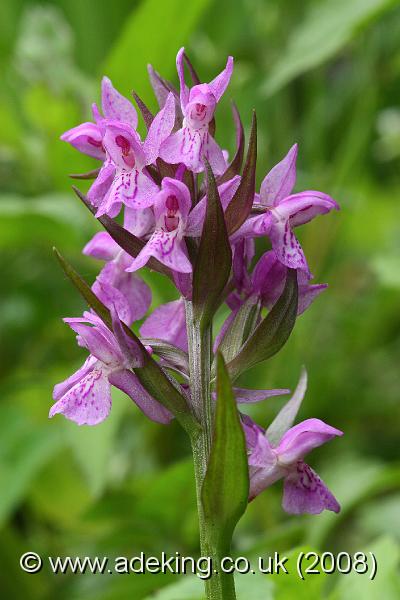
324	73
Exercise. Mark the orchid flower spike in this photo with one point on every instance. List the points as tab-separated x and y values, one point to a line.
193	142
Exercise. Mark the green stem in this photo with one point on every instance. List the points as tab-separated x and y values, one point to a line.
220	586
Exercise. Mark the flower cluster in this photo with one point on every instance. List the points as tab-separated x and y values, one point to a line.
158	187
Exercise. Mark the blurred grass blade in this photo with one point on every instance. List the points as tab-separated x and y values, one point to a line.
272	333
240	206
153	34
214	259
226	484
327	28
150	375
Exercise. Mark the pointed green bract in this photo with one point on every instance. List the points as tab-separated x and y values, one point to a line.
272	333
226	484
213	265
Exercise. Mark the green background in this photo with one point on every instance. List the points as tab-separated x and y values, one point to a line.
322	73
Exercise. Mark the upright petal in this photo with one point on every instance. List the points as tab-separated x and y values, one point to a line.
184	90
167	322
219	84
128	382
115	106
305	492
88	402
302	438
159	130
87	138
279	182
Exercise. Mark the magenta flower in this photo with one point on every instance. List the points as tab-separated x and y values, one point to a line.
304	491
171	209
167	322
123	179
268	280
85	397
88	137
284	210
126	292
193	142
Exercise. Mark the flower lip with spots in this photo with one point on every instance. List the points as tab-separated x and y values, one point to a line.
171	209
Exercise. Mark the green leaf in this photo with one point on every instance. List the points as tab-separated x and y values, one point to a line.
152	35
240	206
225	488
150	375
287	415
213	264
272	333
327	28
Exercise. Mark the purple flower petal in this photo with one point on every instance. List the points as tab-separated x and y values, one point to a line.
88	402
305	492
302	438
87	138
138	221
167	322
61	388
167	248
159	130
128	382
219	84
280	181
102	246
132	188
101	184
115	106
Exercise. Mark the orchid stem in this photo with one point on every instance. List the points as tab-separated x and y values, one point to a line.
220	586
